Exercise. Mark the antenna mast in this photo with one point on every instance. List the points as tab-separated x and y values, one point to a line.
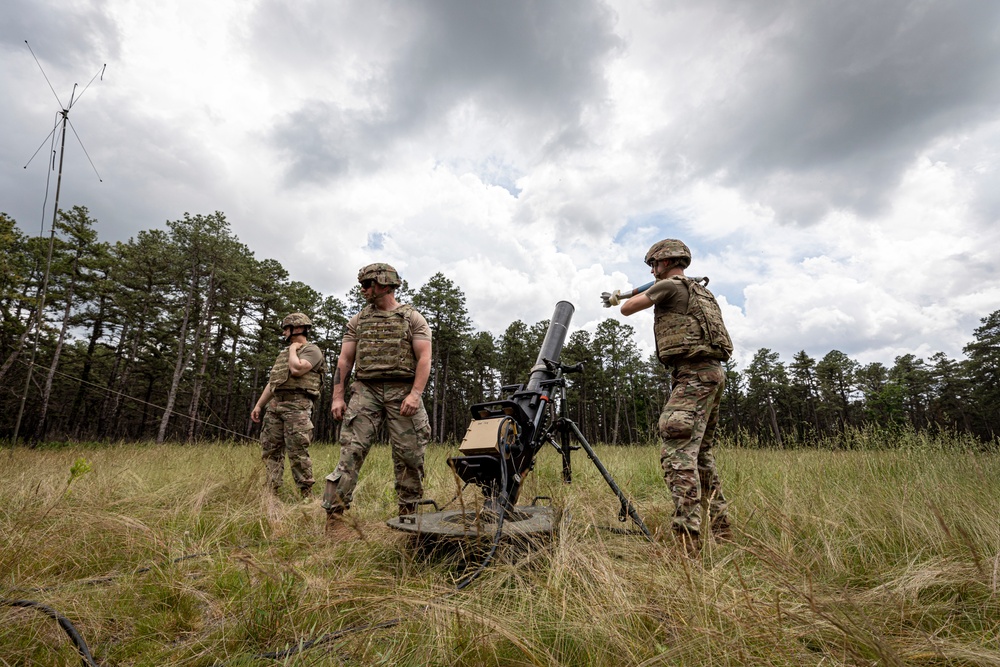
64	112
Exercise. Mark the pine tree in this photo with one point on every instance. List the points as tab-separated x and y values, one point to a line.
984	374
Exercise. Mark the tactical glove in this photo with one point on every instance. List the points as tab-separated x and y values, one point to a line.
612	298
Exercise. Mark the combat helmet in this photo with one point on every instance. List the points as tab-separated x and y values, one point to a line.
296	320
381	273
669	249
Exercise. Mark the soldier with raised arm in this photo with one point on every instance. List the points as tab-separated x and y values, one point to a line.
292	388
691	342
388	345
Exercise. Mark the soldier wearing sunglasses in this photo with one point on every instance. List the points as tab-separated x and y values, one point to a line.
388	345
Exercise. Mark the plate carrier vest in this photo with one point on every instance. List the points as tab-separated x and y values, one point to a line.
700	332
281	379
384	353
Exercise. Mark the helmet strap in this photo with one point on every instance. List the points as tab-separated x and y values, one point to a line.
291	334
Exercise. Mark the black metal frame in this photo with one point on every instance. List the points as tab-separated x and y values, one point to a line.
530	412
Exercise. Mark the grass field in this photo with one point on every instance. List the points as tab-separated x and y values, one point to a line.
172	555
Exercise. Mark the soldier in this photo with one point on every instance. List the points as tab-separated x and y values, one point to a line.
691	342
294	385
391	343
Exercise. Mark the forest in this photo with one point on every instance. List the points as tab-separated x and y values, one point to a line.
170	337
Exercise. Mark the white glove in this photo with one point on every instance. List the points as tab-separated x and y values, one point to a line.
611	298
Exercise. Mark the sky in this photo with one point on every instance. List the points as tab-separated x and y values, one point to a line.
831	164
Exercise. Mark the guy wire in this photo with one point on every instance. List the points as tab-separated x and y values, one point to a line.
152	405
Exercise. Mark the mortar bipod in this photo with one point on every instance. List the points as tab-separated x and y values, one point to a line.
565	426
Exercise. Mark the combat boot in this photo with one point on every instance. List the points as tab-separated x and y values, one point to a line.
722	530
688	542
407	508
336	527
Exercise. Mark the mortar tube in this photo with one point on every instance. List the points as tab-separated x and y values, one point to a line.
552	344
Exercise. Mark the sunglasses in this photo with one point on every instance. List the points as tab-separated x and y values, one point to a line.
367	282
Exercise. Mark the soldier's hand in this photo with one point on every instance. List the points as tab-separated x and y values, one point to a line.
337	408
611	298
410	405
255	415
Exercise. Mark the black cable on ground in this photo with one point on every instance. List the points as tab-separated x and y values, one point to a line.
85	657
322	639
622	531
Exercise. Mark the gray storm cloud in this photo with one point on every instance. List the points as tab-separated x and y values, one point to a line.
533	65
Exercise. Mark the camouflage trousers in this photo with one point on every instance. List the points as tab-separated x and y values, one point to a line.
371	405
687	426
288	428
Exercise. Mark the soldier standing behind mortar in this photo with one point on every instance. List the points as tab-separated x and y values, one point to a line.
691	342
391	343
293	386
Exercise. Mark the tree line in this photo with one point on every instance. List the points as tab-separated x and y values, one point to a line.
170	336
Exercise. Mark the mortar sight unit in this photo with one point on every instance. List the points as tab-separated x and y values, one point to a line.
501	445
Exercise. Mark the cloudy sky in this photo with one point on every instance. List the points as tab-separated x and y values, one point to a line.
832	164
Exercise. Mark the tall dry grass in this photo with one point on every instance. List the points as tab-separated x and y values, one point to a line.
173	555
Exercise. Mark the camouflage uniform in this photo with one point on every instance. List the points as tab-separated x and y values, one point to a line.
687	427
691	342
288	428
373	403
288	423
385	367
